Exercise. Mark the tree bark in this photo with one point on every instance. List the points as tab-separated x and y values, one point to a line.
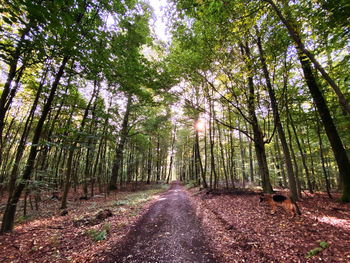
303	157
277	120
258	135
222	156
72	149
322	157
9	215
120	147
331	131
241	147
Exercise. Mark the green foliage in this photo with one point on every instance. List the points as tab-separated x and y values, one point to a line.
313	252
324	244
138	198
191	184
22	219
121	202
97	235
316	250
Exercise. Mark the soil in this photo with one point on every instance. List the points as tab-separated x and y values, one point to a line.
168	232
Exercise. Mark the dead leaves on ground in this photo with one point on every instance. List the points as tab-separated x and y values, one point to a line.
68	238
243	230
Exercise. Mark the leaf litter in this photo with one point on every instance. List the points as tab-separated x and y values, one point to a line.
243	230
102	224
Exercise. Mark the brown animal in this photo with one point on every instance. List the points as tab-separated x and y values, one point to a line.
280	200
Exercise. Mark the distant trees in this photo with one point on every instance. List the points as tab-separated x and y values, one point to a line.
69	68
260	74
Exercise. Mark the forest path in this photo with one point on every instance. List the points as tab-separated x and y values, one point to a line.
168	232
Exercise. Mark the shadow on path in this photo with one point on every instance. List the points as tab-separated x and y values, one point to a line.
168	232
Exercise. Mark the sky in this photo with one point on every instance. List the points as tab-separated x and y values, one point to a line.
160	23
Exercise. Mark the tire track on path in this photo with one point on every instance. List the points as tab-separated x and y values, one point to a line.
168	232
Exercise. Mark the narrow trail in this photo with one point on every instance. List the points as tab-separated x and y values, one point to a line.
168	232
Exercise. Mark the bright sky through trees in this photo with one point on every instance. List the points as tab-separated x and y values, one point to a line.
160	23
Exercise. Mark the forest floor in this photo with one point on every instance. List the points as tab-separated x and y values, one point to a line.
182	225
242	229
87	233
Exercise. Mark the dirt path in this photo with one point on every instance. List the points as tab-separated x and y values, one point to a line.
168	232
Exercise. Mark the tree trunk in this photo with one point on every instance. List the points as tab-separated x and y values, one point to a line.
251	167
322	157
120	147
22	144
5	101
158	160
331	131
232	155
296	169
212	157
72	149
303	158
280	162
222	156
171	156
258	136
277	120
149	165
199	161
293	32
9	215
241	147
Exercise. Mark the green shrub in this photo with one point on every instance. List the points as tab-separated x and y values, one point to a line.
122	202
98	235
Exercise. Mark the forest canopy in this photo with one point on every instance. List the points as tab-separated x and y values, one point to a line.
244	94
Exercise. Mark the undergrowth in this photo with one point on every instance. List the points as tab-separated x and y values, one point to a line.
97	235
138	198
316	250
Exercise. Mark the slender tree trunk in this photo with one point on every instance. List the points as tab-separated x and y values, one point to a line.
212	156
199	161
258	135
331	131
296	169
241	147
222	156
149	165
277	120
158	160
280	161
72	149
8	94
251	167
232	155
303	158
322	157
23	140
9	215
117	163
171	156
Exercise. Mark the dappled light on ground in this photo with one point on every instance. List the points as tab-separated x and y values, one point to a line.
334	221
243	229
